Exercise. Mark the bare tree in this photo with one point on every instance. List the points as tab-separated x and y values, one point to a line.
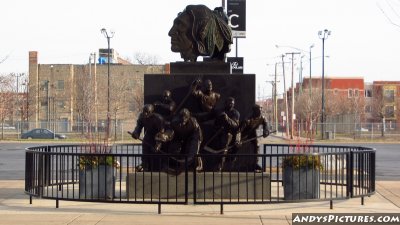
391	10
146	59
85	102
6	97
378	107
308	110
4	58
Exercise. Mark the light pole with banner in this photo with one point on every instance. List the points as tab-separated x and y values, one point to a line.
236	64
323	35
104	31
236	11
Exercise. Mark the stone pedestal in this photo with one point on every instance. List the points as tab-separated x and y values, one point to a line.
255	186
178	68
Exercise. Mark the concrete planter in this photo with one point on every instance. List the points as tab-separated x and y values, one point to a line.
97	183
302	183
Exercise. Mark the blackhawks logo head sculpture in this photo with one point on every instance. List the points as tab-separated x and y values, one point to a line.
199	31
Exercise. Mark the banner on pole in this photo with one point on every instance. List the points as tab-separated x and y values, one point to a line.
237	17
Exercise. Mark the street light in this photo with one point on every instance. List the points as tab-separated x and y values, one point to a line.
104	31
323	35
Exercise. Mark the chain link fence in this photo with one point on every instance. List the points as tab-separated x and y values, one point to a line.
345	131
119	129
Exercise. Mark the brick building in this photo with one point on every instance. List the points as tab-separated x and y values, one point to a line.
343	86
385	102
67	94
343	96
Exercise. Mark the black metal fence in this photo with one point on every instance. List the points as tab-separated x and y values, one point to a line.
285	173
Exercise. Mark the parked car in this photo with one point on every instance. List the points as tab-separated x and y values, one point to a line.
41	133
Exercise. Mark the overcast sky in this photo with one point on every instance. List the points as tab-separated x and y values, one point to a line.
363	42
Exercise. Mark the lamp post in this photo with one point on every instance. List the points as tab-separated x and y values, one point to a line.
105	33
323	35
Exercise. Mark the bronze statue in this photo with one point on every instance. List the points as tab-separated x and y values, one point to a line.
166	106
187	138
248	129
198	31
227	124
208	98
153	124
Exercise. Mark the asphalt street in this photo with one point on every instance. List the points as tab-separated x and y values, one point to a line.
12	160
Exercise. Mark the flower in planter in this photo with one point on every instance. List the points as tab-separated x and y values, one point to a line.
89	161
299	161
92	162
302	158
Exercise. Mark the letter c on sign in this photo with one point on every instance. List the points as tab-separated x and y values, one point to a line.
230	20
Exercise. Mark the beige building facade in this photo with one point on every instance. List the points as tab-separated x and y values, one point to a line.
68	94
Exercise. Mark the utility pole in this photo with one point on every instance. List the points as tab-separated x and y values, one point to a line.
18	102
301	75
285	93
275	96
273	84
276	100
95	94
310	87
291	117
90	97
310	81
48	103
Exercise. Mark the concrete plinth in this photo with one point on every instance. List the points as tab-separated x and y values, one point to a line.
208	185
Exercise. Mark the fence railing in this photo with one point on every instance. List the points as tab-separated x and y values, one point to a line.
74	172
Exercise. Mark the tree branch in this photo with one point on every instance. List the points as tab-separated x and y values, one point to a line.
387	17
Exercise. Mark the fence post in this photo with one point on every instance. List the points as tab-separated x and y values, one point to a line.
122	131
372	171
349	174
334	131
372	132
186	180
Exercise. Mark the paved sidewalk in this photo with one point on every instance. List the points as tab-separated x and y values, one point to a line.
16	210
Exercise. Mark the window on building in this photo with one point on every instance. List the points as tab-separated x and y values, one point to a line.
336	91
356	93
389	96
131	84
368	93
368	109
60	85
61	104
350	93
43	103
132	106
44	85
389	111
